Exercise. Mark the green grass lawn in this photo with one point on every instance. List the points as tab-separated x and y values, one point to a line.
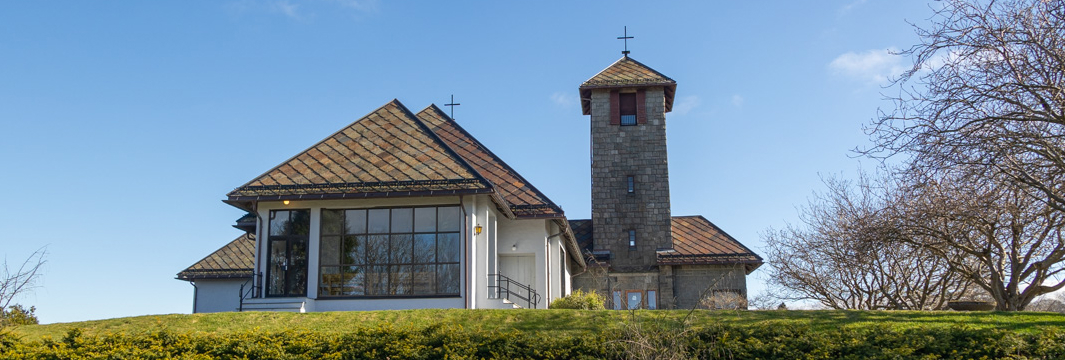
573	321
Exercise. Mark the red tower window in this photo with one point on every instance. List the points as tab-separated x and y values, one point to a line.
627	105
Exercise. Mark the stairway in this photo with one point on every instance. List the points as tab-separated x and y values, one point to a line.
276	304
502	304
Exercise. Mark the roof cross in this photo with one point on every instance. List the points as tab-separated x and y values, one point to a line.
452	106
626	38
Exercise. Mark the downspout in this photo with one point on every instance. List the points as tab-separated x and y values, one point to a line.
547	257
259	241
195	294
465	251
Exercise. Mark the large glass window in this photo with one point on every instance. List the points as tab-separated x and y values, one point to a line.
390	252
286	270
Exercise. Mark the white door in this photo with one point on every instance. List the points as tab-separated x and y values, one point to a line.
521	269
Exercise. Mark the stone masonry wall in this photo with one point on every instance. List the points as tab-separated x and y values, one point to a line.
692	281
639	151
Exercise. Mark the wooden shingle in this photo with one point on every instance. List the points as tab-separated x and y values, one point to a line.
523	198
388	151
234	260
627	73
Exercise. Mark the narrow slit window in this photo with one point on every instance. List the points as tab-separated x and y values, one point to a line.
631	181
627	103
632	239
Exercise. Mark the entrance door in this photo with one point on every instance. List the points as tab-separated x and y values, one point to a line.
286	271
521	269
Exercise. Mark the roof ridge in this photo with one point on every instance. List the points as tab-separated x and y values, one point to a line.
517	174
450	151
650	68
604	69
637	62
380	147
325	139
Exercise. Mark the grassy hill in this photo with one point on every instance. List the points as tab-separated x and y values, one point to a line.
558	334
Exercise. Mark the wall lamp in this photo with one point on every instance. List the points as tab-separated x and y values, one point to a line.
477	229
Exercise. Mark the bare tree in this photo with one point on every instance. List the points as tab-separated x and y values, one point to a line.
991	232
17	282
986	95
1049	303
762	301
846	254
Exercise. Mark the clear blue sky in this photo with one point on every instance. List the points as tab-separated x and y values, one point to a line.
123	124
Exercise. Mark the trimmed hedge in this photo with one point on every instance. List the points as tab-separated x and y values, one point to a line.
762	341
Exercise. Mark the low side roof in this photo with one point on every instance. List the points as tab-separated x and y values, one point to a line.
696	241
234	260
524	199
626	72
388	152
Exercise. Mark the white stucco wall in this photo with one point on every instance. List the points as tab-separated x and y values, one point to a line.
528	237
217	295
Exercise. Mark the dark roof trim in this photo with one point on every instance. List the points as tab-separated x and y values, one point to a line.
614	84
233	199
372	185
572	248
189	275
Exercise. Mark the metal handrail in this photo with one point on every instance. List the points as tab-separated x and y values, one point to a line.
502	288
254	291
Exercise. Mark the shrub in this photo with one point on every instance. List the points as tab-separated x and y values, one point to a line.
724	300
580	300
18	315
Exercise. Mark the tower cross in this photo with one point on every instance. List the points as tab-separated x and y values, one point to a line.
626	38
452	105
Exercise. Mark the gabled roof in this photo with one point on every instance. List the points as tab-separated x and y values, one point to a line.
696	241
627	72
234	260
388	152
523	198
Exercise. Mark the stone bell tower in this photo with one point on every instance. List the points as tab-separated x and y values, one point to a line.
630	173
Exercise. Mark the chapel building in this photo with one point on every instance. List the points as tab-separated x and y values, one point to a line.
404	210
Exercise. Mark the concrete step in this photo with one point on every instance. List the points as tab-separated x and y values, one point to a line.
276	304
502	304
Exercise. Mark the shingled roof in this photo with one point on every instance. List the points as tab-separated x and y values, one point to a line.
524	200
388	152
627	72
234	260
696	241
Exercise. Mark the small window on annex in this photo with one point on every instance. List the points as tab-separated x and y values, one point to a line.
394	252
632	239
627	107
